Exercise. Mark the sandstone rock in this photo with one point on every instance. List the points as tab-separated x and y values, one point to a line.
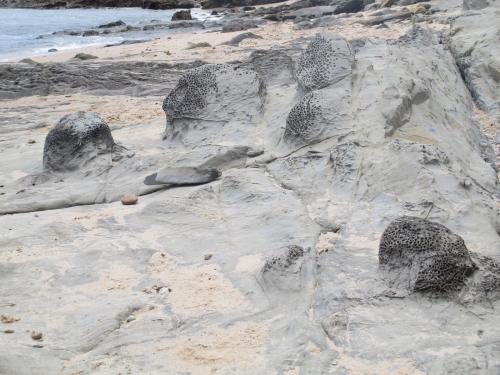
318	115
240	24
129	199
182	176
112	24
327	60
75	141
423	256
474	44
84	56
238	38
212	96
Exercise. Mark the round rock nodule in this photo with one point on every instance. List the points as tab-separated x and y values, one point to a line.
422	256
76	139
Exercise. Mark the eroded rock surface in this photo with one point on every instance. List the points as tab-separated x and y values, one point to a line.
76	140
423	256
225	98
273	266
327	60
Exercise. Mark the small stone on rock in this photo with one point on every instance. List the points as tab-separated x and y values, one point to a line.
129	199
8	319
36	335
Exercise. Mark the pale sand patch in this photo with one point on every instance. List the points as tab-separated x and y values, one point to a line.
196	290
119	278
220	350
114	109
324	239
359	366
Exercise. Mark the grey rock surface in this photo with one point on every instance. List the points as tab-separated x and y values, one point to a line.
128	78
474	41
327	60
273	267
224	97
182	176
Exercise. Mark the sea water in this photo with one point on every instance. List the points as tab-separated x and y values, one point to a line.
27	32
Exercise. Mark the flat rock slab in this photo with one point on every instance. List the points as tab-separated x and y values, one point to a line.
182	176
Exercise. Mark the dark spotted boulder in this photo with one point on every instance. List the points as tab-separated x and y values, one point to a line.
76	139
182	15
327	60
422	256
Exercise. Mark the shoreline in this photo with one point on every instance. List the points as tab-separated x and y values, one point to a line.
124	28
175	47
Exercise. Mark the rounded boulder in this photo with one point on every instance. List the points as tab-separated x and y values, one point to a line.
76	139
424	256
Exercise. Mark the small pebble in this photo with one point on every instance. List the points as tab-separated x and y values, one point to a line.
208	256
8	331
129	199
36	335
31	141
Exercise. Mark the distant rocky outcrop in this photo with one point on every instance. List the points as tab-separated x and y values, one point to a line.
207	4
182	15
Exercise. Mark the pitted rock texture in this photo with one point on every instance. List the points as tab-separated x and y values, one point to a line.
217	93
423	256
283	271
327	60
190	95
75	140
319	115
485	283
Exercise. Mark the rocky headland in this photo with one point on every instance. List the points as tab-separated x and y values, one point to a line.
303	188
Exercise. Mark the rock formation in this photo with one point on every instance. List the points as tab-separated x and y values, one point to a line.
352	225
76	140
222	97
182	176
423	256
